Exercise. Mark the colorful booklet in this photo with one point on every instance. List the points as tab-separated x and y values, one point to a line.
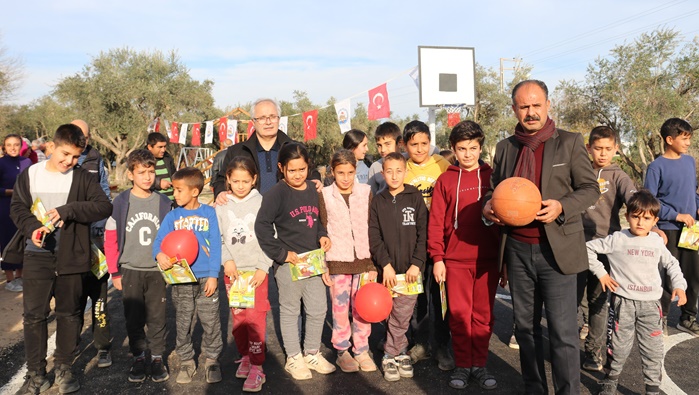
312	263
179	273
404	288
689	238
443	298
99	262
39	211
241	295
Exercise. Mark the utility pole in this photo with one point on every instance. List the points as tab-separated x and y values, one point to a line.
516	61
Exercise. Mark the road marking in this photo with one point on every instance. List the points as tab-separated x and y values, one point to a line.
503	296
667	385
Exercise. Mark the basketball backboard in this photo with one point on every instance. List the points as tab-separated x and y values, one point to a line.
447	76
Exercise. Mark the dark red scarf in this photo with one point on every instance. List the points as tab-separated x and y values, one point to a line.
526	164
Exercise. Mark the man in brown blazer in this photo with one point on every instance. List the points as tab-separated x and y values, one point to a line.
543	258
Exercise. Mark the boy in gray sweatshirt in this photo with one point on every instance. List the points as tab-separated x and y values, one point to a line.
634	256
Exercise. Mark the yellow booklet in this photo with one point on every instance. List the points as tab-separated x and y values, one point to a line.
179	273
689	238
99	262
39	211
312	263
404	288
241	294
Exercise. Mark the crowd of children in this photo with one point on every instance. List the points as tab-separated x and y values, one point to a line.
413	214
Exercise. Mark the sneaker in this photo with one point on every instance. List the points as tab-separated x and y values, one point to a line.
689	325
212	371
484	379
445	361
318	363
187	370
592	363
365	361
104	359
243	368
666	333
296	366
584	331
418	353
137	373
346	363
67	383
34	383
390	369
158	370
607	387
405	365
13	286
255	380
19	281
513	343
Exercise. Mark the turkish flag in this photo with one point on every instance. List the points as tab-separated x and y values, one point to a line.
157	125
174	133
251	128
378	103
222	129
196	135
310	123
453	119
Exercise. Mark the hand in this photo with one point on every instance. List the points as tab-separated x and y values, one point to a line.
210	286
412	273
291	257
37	236
660	233
325	243
258	278
503	276
489	214
372	275
116	282
54	216
608	283
326	279
389	276
439	271
165	184
686	219
552	210
163	261
230	270
319	185
679	292
222	199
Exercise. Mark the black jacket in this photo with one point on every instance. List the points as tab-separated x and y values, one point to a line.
170	164
86	203
398	229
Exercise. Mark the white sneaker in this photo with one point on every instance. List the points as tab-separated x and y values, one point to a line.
296	366
318	363
14	286
405	365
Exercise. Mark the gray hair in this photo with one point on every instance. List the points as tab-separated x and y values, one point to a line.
265	100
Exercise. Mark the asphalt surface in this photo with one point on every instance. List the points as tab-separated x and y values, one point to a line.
681	363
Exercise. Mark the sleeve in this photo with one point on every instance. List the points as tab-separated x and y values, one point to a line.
585	185
372	178
111	248
625	187
435	225
420	253
222	223
377	245
652	184
599	246
214	241
672	267
166	226
264	228
322	210
218	182
104	179
96	206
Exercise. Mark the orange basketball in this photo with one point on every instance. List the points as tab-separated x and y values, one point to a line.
516	201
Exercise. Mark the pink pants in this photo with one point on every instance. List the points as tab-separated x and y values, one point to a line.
342	294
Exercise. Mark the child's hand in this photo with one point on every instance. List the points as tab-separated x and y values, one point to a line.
660	233
54	216
389	276
439	271
412	273
686	219
38	235
608	283
230	270
326	279
325	243
258	278
163	261
116	282
372	275
291	257
210	286
319	185
679	292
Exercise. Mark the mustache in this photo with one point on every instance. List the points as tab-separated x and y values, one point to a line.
532	118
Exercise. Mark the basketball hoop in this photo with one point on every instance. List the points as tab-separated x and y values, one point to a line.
453	113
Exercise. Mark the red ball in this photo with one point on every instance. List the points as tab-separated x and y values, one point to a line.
516	201
183	243
373	302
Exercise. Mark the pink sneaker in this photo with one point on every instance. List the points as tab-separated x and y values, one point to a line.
255	380
243	368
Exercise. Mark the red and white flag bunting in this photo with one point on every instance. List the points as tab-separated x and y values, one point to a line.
209	132
342	108
183	133
232	130
196	135
251	128
379	106
310	123
174	133
284	124
222	129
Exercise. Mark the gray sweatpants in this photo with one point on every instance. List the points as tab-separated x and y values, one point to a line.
190	301
313	292
627	316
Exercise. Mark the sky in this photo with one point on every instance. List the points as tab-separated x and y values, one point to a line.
328	49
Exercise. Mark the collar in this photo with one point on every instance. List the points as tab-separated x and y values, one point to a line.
275	147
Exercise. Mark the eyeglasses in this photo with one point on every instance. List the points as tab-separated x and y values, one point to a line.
269	118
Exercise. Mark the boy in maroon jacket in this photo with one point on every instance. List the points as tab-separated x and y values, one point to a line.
465	255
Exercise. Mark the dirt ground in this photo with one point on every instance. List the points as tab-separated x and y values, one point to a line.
10	316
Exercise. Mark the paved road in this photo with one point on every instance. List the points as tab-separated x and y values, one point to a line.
503	362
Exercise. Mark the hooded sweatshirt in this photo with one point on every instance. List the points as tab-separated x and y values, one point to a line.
398	229
425	175
616	188
458	236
